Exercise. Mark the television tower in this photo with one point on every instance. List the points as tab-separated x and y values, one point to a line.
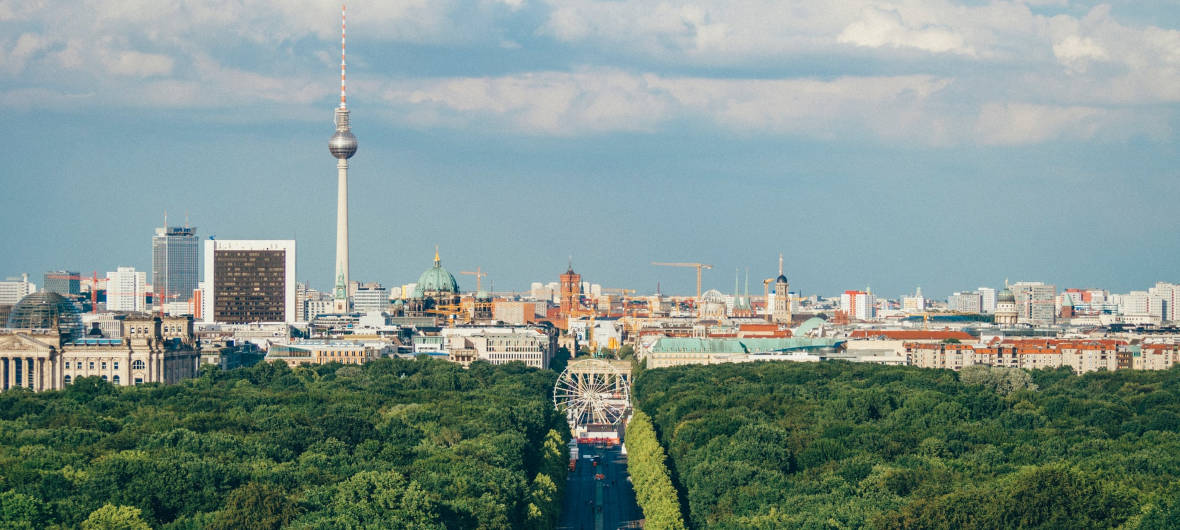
342	146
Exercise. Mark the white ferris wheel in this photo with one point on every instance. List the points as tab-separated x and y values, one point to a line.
592	391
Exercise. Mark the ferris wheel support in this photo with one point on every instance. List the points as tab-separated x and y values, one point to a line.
592	391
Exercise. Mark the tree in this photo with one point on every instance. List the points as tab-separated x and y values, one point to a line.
111	517
256	506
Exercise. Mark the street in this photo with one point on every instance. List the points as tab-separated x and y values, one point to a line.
599	504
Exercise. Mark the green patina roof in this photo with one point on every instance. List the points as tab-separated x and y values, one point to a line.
751	345
809	325
436	280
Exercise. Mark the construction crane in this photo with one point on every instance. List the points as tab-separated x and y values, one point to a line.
698	266
479	275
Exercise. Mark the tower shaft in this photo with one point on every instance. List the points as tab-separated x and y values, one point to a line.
340	290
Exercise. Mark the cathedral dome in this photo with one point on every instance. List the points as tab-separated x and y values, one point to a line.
1005	296
47	310
436	280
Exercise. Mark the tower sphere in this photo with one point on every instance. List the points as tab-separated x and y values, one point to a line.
342	145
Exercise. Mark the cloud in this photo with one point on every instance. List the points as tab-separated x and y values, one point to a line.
879	27
14	58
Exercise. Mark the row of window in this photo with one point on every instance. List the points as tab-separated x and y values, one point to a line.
115	380
135	365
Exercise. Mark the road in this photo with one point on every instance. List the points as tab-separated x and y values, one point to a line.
599	504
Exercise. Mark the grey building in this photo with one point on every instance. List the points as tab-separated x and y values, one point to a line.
175	263
64	283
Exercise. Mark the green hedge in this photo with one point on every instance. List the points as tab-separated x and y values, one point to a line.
653	486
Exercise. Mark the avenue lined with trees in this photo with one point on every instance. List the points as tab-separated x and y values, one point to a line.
834	444
389	444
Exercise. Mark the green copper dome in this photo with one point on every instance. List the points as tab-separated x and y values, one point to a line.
436	280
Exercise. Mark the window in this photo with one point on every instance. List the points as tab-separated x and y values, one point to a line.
68	379
116	366
104	378
137	365
104	365
91	365
115	379
139	380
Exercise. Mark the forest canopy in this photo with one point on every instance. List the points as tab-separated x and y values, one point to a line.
835	444
390	444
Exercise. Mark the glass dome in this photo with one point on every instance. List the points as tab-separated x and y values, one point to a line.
47	310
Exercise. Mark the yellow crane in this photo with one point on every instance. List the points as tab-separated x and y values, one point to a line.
698	266
479	275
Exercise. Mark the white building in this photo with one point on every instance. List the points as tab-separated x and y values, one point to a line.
370	297
915	303
859	305
13	289
126	290
498	345
1169	296
249	281
968	302
987	297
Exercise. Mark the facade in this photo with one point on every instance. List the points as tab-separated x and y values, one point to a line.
966	302
915	303
1036	303
64	283
249	281
859	305
499	345
126	290
152	350
1168	295
987	300
370	297
1080	356
322	352
13	289
176	263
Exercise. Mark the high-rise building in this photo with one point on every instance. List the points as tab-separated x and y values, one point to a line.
859	305
64	283
1036	302
342	145
370	297
13	289
249	281
126	290
176	264
987	297
1169	296
965	302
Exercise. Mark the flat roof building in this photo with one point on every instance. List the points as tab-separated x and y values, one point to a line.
249	281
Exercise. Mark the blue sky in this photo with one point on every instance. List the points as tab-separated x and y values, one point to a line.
891	144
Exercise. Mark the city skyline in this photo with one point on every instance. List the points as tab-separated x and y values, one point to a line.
943	146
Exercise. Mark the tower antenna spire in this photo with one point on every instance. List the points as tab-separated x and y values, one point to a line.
343	77
780	263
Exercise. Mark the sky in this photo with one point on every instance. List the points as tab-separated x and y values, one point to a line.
888	144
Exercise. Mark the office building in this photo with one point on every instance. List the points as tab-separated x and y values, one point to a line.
126	290
13	289
65	283
370	297
987	296
249	281
965	302
175	264
1036	303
